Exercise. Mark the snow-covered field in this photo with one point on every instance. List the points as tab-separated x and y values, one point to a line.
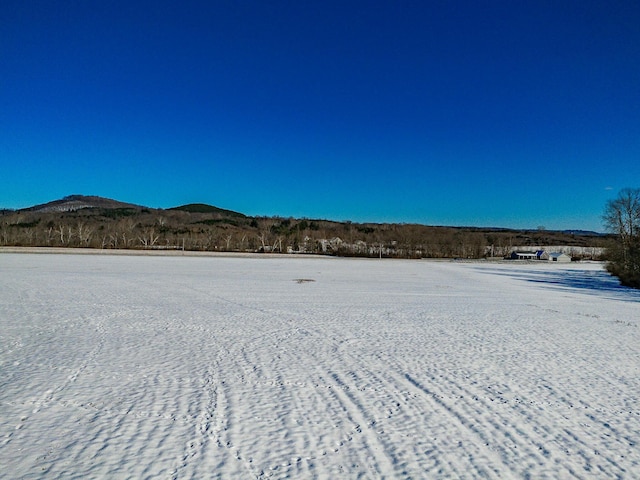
304	367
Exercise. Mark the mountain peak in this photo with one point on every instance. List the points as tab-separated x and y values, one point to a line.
204	208
72	203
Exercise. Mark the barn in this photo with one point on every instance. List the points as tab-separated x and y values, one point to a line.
542	255
559	257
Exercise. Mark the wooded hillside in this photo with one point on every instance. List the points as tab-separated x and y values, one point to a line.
94	222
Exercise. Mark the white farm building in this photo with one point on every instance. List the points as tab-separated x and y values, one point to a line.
559	257
541	255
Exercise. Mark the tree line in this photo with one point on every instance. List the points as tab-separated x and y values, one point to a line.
202	229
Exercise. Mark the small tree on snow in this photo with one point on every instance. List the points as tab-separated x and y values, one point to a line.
622	218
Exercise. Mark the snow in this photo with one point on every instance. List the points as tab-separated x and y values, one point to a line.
306	367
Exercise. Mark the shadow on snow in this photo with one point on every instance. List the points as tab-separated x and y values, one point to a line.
591	282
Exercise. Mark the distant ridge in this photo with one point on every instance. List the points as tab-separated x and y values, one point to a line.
584	233
204	208
72	203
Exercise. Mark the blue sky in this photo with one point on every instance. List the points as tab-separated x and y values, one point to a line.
485	113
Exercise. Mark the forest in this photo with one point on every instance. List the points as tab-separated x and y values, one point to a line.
95	222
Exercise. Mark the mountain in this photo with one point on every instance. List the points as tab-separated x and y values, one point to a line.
204	208
72	203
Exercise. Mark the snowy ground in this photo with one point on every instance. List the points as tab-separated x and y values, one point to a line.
299	367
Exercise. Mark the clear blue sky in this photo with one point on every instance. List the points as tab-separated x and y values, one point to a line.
487	113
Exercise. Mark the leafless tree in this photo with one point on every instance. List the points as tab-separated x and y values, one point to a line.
85	233
149	237
262	236
125	229
622	218
4	234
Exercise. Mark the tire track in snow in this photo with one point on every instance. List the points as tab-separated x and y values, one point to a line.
300	398
415	409
384	462
371	403
529	442
492	438
491	458
343	389
527	448
413	417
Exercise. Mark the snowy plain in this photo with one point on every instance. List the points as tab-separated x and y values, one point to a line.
305	367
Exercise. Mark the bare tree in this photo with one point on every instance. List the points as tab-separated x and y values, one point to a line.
49	235
277	244
84	233
126	230
113	237
149	237
5	234
263	241
622	218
